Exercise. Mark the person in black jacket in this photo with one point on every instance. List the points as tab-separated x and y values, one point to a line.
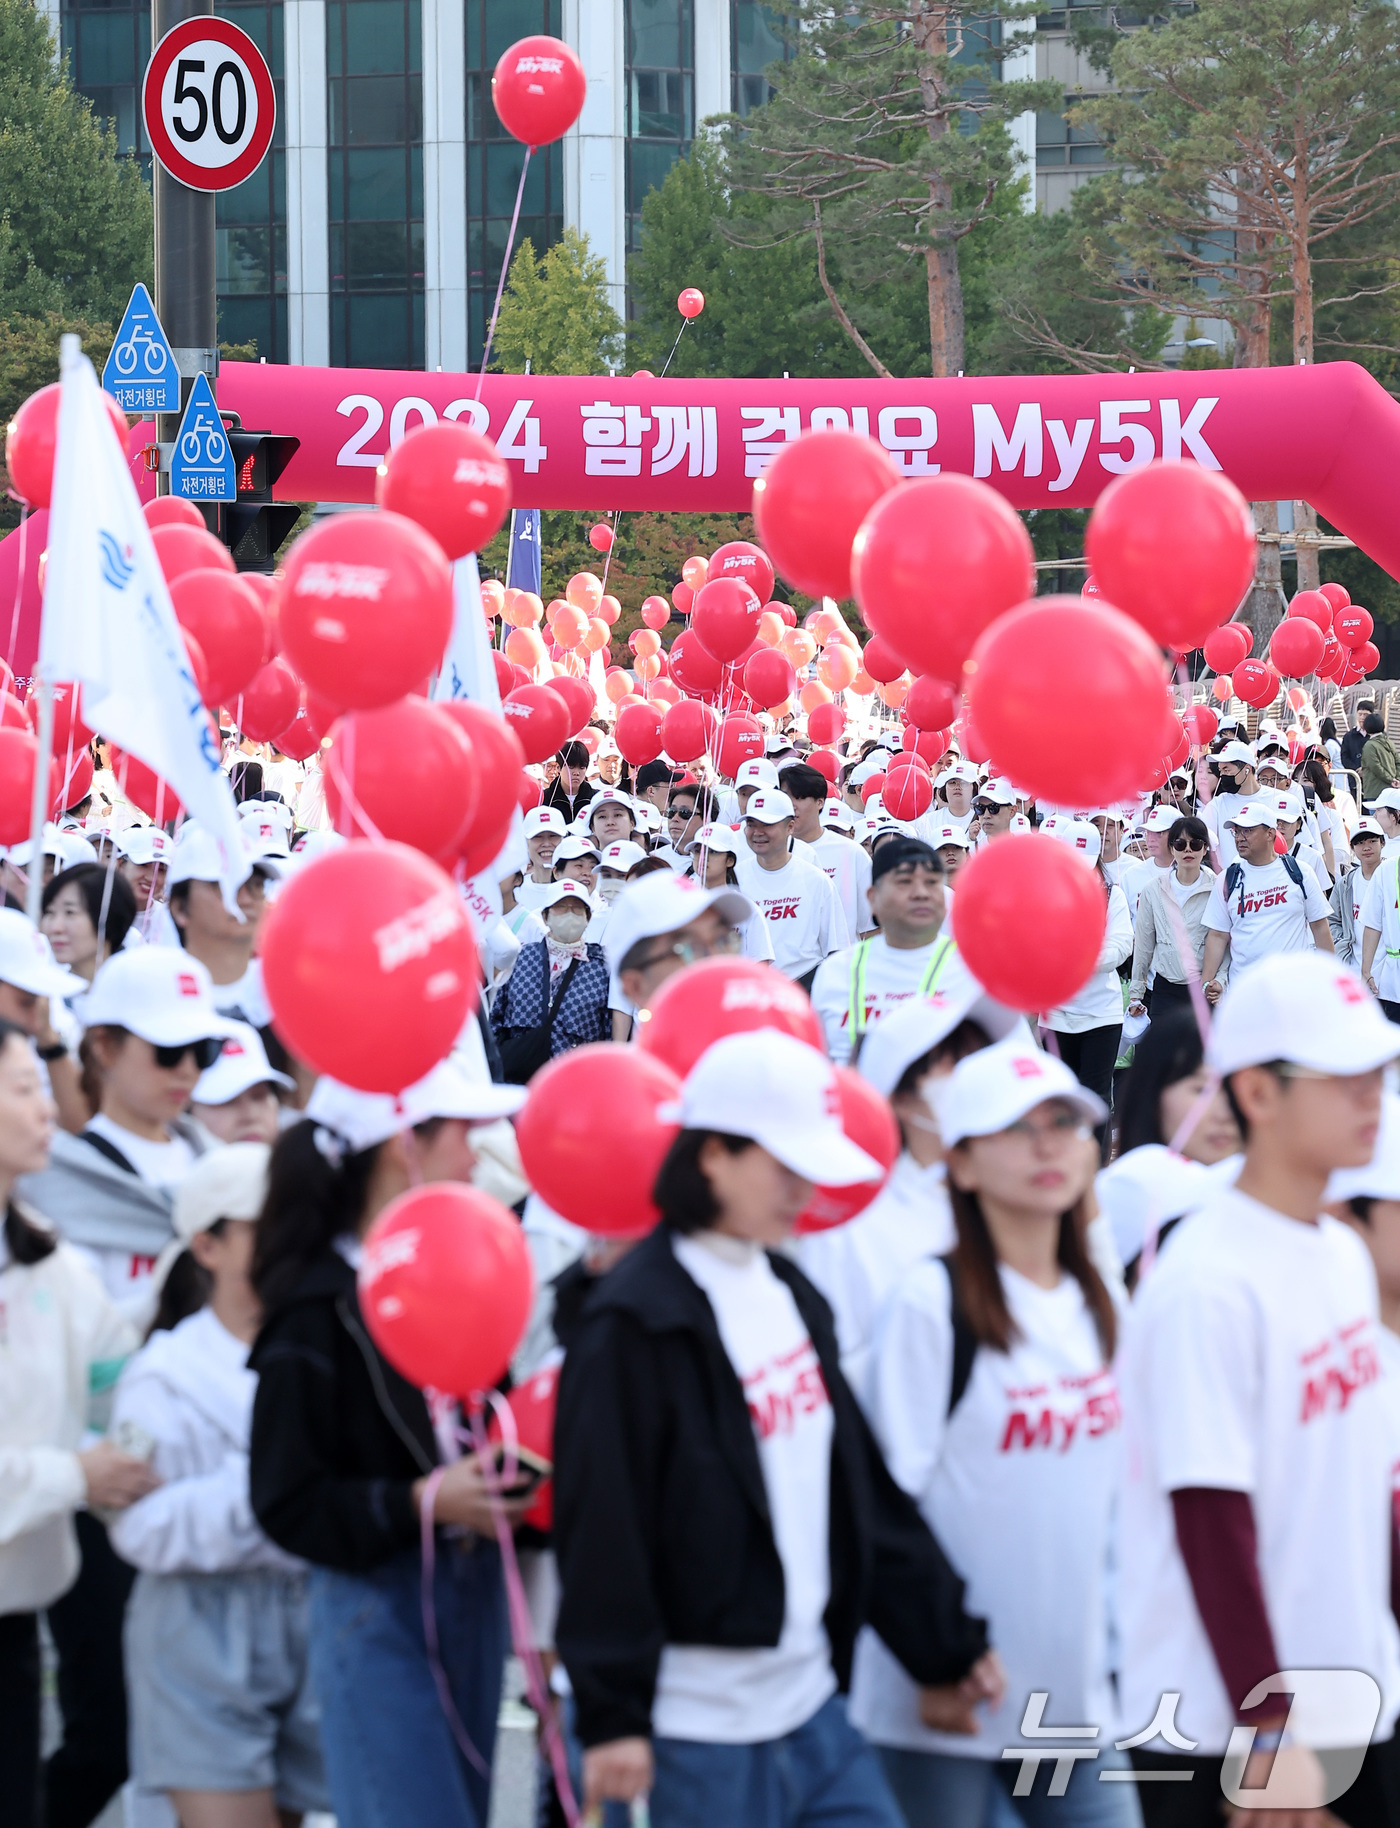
1355	739
724	1523
571	789
344	1451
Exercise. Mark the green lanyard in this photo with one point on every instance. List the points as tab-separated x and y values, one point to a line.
856	1014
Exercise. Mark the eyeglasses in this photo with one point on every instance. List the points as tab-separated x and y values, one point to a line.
205	1052
690	951
1063	1125
1189	844
985	808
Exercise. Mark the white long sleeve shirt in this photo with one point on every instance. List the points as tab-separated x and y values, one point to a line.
1100	1003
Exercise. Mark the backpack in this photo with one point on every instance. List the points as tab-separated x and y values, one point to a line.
1234	877
964	1340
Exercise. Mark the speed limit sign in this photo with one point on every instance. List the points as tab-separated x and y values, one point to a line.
208	103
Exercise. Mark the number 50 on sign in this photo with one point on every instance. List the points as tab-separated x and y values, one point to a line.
208	104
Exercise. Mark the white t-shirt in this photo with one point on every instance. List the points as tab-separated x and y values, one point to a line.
245	999
1134	880
1099	1002
1252	1364
1019	1487
848	866
531	894
742	1697
1216	813
892	977
1380	908
1277	913
800	909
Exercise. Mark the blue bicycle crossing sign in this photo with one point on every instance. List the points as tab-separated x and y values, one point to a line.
140	371
201	462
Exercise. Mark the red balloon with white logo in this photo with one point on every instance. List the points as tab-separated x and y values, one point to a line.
365	608
446	1286
810	501
725	617
451	481
538	89
691	302
742	559
740	740
1352	626
540	719
380	930
1225	647
870	1124
724	996
1031	919
31	442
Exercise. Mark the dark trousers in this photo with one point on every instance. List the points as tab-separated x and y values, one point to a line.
89	1766
1392	1010
1166	995
1090	1057
1373	1801
19	1720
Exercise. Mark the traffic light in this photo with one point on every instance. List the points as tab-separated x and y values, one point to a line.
254	526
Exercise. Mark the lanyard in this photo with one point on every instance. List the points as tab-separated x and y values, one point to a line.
856	1014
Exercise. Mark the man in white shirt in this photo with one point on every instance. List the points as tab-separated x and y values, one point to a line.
1238	784
956	788
795	897
994	807
1134	877
843	860
1256	1521
659	925
1380	932
221	942
1385	810
1262	903
689	807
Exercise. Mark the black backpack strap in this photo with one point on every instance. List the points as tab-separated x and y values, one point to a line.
1294	869
964	1339
1234	876
109	1149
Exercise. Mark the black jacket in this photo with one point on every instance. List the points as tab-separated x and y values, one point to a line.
1353	742
338	1436
661	1521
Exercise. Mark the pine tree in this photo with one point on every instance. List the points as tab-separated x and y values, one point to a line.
556	313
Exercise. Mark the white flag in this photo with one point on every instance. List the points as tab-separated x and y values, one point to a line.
109	623
468	670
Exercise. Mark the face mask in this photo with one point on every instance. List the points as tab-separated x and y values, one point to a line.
610	887
567	928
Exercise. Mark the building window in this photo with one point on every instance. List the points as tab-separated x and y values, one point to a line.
1057	144
660	97
108	48
250	231
374	62
759	37
494	160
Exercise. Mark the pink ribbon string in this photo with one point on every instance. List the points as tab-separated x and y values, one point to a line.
430	1632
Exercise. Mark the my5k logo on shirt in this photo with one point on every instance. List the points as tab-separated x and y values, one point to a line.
1335	1369
1054	1418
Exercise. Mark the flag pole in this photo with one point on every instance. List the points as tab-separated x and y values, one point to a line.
34	888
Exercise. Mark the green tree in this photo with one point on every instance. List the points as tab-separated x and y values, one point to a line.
556	314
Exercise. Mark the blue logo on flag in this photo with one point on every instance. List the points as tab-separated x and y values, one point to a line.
201	464
140	372
117	567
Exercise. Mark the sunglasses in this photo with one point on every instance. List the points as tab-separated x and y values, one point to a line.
1188	844
205	1052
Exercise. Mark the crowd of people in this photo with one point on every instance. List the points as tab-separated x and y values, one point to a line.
1054	1487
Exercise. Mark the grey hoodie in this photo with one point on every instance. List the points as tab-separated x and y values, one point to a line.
89	1200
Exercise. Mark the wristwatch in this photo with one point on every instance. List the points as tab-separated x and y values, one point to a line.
58	1051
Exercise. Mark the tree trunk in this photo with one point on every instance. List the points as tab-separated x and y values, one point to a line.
946	327
1305	522
1264	604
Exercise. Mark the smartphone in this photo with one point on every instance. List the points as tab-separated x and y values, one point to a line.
531	1470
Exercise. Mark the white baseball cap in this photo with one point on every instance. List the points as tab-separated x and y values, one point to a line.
990	1090
998	790
861	773
1113	813
228	1183
1181	774
780	1093
572	848
242	1065
893	1044
1289	806
836	815
66	846
648	817
1079	834
958	771
144	844
623	855
1237	752
358	1120
1306	1008
194	857
949	834
564	890
1367	828
718	838
1255	812
609	796
1161	818
158	992
266	837
1389	797
1019	822
663	903
27	960
769	806
543	818
756	773
1380	1178
268	812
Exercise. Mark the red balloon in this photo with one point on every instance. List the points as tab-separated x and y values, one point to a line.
365	608
446	1287
19	753
935	563
144	788
811	499
1255	683
907	793
538	89
264	589
880	660
688	730
529	793
926	745
1173	546
825	723
224	616
1313	607
14	715
76	784
683	597
1030	920
1297	643
768	677
498	764
693	667
578	696
742	559
825	762
199	666
532	1405
656	612
539	717
304	735
870	1124
725	617
1352	626
1201	724
181	548
380	929
932	704
600	537
638	733
32	439
691	302
1367	656
1226	646
740	740
1337	595
591	1143
270	701
402	771
872	784
1334	658
724	996
172	511
451	481
506	681
1070	652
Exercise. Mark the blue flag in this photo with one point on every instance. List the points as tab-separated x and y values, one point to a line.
523	564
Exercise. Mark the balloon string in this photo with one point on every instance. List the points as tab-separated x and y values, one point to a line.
359	816
430	1631
505	265
674	347
19	581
